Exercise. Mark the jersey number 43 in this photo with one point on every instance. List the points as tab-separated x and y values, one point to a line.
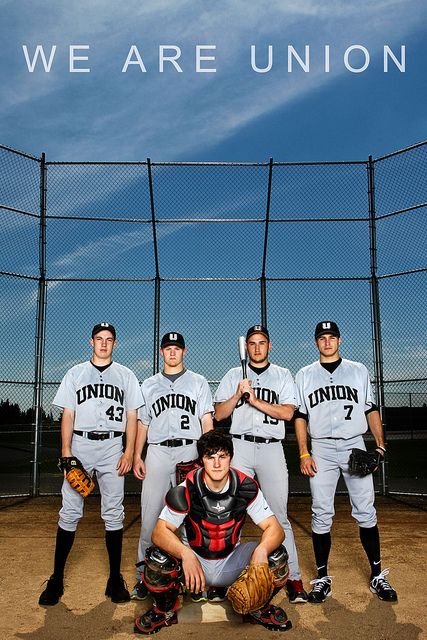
115	413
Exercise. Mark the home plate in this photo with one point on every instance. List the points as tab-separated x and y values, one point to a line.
192	612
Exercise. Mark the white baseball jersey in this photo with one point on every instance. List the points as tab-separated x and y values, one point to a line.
258	510
274	385
336	402
173	409
99	399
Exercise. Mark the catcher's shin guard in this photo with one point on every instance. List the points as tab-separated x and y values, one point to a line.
161	576
271	617
278	563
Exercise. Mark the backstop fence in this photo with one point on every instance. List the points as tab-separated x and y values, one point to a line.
209	249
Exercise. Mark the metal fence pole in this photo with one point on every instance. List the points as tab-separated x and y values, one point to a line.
375	309
156	324
264	256
41	332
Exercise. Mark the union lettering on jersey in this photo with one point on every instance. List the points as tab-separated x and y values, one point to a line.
174	401
333	392
100	390
264	394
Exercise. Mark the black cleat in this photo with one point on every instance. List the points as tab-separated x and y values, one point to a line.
211	594
54	590
382	587
321	590
139	592
295	591
216	594
153	620
116	590
271	617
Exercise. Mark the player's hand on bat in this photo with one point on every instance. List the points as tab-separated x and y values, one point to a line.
125	463
244	387
308	466
193	572
139	468
252	399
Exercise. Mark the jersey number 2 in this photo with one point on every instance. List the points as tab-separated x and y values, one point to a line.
185	422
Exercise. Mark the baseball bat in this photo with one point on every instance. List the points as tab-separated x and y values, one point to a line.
242	352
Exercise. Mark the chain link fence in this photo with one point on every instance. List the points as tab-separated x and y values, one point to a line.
209	249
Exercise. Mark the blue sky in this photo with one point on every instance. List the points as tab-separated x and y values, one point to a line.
234	114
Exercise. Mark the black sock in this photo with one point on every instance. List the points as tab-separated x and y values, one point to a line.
64	542
322	547
370	539
113	541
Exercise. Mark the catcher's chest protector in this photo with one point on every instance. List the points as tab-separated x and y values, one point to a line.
214	520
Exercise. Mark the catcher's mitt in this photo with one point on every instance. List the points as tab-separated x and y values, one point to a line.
361	463
76	475
252	589
183	468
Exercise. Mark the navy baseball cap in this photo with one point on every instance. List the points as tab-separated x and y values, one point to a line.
173	338
326	326
103	326
257	328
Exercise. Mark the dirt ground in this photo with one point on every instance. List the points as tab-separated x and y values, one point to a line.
27	538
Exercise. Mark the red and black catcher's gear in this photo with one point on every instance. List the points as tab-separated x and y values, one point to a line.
214	520
162	574
162	577
272	617
278	563
153	620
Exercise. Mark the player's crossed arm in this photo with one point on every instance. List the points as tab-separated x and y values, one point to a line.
277	411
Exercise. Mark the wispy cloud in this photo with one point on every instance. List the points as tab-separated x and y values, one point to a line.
122	243
173	114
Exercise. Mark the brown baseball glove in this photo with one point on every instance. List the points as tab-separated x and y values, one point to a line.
77	475
252	589
183	468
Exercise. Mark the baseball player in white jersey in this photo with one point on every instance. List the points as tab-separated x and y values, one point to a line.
212	504
335	408
177	409
100	399
258	431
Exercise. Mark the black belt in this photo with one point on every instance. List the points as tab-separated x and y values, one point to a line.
255	438
174	443
99	435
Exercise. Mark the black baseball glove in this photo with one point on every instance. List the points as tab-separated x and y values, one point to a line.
361	463
183	468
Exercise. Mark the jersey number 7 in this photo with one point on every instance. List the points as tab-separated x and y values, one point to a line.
349	409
